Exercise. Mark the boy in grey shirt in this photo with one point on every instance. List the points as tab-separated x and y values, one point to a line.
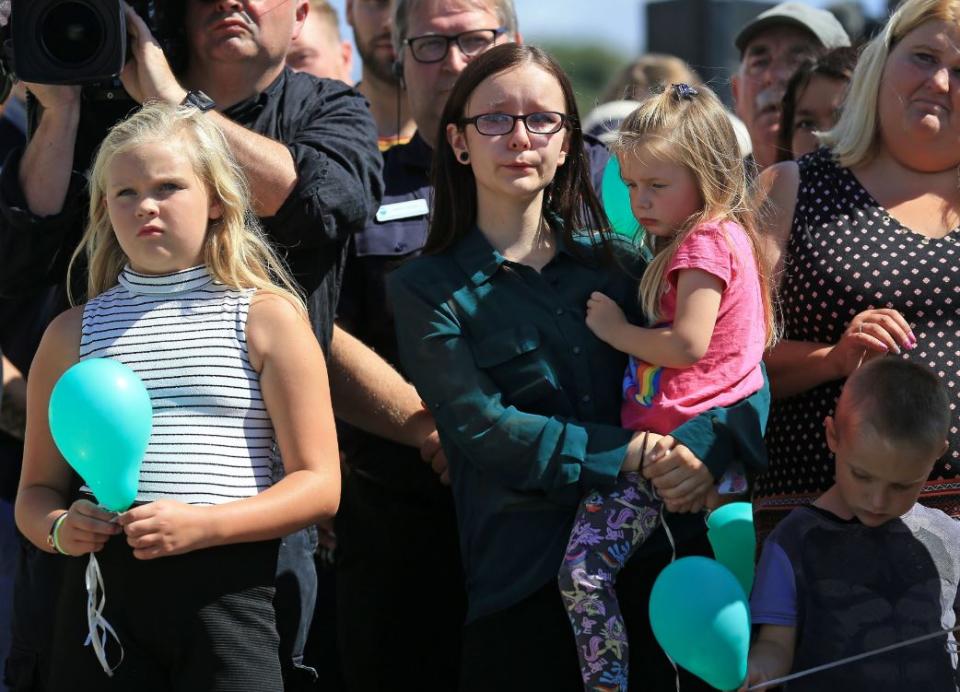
865	566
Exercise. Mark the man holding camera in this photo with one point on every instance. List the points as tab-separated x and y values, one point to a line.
309	150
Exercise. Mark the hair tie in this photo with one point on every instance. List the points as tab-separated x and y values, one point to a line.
684	92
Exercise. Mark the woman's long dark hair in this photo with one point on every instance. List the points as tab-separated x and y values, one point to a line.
569	197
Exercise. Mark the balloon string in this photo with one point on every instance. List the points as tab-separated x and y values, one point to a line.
99	628
673	556
850	659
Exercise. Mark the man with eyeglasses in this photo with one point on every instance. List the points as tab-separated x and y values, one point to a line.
401	601
772	46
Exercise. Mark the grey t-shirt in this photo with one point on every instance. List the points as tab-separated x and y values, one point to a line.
848	588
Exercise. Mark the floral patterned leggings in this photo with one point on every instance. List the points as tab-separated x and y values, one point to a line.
609	528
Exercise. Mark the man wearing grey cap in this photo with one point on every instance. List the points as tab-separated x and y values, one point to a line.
772	46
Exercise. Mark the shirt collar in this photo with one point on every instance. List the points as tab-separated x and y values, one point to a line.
257	102
416	153
480	260
182	281
477	257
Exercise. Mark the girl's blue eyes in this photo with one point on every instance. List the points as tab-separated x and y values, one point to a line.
163	187
655	186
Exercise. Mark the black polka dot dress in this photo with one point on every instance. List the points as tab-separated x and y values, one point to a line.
845	255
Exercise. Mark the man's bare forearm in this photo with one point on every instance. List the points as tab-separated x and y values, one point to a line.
267	164
369	394
47	163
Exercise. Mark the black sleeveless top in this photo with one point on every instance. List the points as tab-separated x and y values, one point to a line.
846	254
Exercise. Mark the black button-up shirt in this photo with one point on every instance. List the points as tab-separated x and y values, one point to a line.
527	401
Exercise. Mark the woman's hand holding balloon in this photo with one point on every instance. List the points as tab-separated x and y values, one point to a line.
870	334
165	527
86	528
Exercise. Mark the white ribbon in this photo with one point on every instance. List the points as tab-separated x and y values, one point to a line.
850	659
673	557
99	628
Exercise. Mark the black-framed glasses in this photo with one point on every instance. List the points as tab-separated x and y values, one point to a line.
434	47
540	123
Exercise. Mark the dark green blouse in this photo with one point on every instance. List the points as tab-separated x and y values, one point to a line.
527	401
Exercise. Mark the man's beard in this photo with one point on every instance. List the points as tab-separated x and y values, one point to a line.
379	67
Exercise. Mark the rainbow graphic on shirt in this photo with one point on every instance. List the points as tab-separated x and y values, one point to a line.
641	382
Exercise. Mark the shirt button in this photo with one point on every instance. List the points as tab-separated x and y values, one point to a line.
576	350
586	398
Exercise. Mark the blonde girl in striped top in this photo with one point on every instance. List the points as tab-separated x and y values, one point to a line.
183	288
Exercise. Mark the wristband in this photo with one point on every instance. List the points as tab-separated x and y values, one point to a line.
53	539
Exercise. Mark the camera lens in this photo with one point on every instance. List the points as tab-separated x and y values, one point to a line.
72	32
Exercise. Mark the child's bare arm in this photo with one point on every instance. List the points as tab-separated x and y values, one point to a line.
771	655
45	478
681	344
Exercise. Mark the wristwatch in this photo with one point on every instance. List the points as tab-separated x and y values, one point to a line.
199	100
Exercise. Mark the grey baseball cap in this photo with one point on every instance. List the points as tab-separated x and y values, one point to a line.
823	25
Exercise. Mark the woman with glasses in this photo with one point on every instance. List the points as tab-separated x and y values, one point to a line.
491	329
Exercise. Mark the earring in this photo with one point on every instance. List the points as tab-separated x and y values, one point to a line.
464	157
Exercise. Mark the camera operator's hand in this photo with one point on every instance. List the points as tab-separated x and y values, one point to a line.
55	97
147	74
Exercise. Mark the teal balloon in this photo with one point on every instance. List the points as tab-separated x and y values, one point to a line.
700	616
100	418
616	200
734	541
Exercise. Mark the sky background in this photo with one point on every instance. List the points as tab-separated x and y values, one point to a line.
617	23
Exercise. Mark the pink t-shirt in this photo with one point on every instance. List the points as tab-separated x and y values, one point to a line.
660	399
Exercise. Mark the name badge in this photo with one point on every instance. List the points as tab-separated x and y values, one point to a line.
402	210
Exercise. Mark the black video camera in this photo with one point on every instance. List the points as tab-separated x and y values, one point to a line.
81	41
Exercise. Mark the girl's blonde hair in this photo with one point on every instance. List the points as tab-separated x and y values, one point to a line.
691	127
236	253
855	136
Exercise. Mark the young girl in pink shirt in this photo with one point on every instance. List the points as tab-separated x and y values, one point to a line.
707	296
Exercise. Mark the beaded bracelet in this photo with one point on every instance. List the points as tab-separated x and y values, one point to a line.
54	540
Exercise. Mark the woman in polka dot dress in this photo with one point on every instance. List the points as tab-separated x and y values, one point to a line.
865	236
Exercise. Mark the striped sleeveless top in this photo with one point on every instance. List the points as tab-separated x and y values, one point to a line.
185	336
